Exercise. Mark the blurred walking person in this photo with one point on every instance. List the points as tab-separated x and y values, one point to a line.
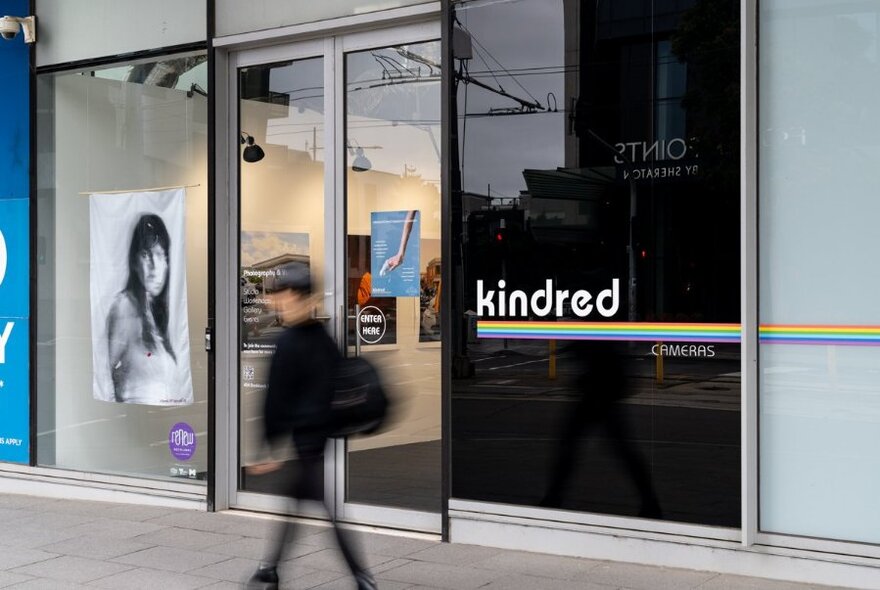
298	400
601	385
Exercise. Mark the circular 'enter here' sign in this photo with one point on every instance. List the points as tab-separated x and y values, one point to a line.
371	324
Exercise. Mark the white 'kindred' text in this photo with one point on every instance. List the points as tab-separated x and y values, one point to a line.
544	301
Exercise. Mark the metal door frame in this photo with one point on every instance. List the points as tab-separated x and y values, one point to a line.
333	49
362	513
315	48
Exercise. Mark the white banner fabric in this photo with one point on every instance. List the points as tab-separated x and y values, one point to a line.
140	327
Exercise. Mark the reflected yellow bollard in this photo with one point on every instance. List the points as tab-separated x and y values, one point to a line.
658	362
552	359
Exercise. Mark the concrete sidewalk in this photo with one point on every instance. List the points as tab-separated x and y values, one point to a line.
48	544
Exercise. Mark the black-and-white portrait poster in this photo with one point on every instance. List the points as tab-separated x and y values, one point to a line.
140	331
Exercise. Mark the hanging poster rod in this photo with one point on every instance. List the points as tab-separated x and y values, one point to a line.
140	190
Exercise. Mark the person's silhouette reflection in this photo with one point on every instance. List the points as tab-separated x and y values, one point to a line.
600	384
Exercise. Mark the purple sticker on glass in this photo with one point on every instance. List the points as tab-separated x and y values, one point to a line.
182	441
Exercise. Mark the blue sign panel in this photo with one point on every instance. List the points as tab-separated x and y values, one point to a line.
14	244
14	104
14	283
394	252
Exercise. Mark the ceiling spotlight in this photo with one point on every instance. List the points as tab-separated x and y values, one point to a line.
360	163
253	152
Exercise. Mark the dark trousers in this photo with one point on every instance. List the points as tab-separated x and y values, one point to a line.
305	484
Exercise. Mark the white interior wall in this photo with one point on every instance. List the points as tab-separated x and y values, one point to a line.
284	193
74	30
234	17
114	136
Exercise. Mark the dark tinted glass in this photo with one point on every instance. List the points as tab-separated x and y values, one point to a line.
596	204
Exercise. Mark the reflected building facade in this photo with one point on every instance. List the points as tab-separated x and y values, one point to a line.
606	147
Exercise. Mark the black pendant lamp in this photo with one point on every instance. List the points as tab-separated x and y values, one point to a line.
252	152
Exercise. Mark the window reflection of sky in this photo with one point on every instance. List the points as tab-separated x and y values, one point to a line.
393	99
494	149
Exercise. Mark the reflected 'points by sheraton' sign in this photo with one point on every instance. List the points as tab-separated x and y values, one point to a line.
659	159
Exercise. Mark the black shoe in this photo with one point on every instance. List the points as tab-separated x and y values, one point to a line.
265	578
365	581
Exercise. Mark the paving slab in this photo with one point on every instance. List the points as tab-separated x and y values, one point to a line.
348	584
51	521
222	586
331	559
44	584
171	559
81	507
526	582
236	570
13	557
135	512
20	501
643	577
392	545
728	582
13	513
537	564
68	568
377	570
96	547
113	529
184	538
143	578
9	579
253	548
191	519
300	578
27	537
454	554
441	575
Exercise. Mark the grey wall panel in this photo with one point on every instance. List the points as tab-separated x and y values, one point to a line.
72	30
234	16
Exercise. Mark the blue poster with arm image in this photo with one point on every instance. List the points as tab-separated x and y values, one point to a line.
394	247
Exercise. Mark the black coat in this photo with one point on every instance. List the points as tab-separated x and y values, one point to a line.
300	387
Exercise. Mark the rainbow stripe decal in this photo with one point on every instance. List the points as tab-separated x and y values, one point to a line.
840	335
630	331
675	332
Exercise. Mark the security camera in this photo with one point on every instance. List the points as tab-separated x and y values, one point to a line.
9	26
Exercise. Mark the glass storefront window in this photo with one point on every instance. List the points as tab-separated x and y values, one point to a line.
597	218
113	387
819	387
281	107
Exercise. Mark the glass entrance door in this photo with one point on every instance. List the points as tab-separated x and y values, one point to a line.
284	216
392	276
339	168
